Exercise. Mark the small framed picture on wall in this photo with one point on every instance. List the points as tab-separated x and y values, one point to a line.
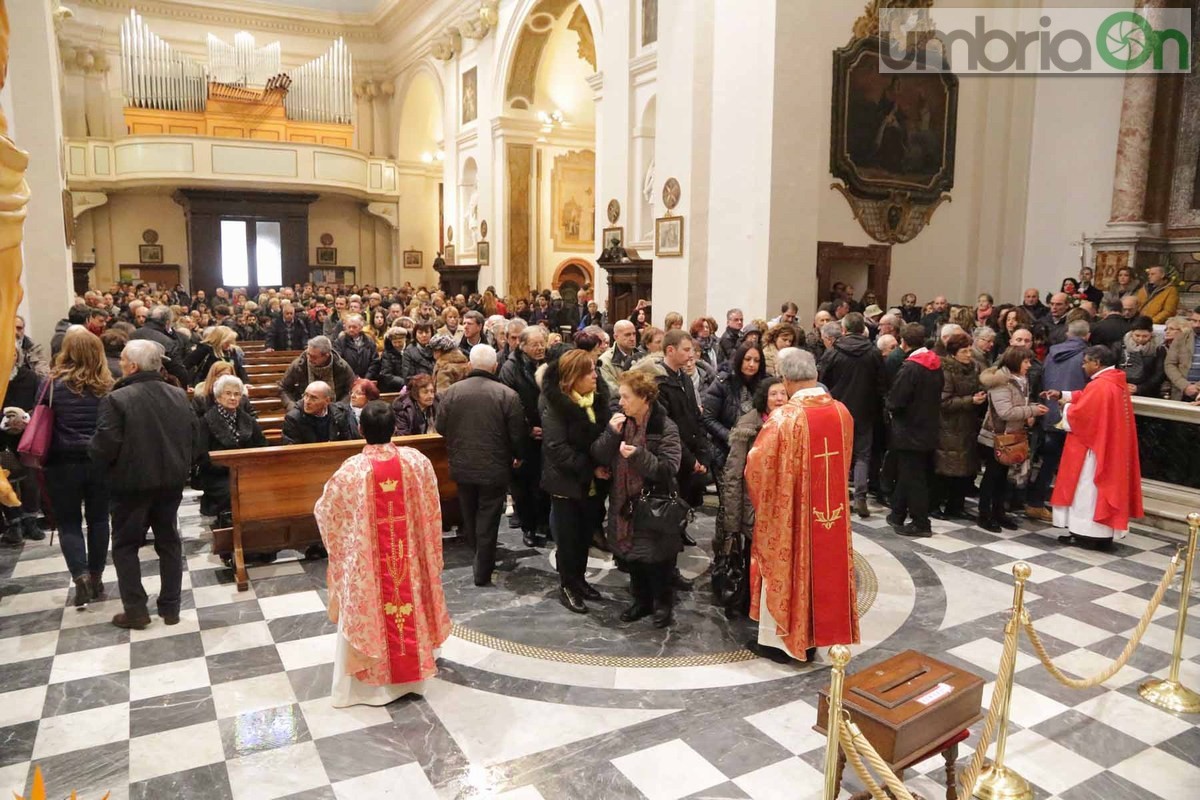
668	236
613	237
150	253
326	256
484	252
449	256
413	259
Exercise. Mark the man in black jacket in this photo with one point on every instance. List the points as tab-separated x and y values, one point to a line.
287	331
1119	316
1032	302
852	370
734	320
146	438
531	504
485	430
317	418
936	318
158	329
357	349
915	401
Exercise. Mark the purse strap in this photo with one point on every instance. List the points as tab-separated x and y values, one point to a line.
49	384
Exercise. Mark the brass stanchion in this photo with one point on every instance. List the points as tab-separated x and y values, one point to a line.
1170	693
998	782
839	654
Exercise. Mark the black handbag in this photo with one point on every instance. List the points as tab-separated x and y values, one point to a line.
731	576
661	513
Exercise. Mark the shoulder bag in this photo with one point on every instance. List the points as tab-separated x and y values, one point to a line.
660	512
34	447
1011	448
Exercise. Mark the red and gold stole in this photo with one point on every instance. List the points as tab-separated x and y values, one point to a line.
394	546
830	438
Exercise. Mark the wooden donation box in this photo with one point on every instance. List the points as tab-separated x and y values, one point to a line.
909	706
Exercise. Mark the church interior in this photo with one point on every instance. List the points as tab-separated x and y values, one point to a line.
692	155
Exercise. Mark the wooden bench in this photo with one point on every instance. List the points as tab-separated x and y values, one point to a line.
274	489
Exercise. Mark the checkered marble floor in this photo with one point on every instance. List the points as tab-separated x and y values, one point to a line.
233	702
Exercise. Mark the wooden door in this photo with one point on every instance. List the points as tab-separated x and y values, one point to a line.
868	268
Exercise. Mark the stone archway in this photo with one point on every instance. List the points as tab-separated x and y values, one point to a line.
571	276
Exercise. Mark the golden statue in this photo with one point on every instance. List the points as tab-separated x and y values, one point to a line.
14	196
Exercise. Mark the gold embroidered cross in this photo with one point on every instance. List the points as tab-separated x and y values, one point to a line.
829	516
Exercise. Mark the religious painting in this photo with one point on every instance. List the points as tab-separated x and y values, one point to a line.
413	259
574	201
450	254
614	237
326	256
150	253
668	236
470	95
483	253
891	132
649	22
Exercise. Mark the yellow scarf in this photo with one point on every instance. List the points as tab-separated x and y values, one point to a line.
585	402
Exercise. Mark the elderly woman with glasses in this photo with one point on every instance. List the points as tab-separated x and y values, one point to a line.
226	425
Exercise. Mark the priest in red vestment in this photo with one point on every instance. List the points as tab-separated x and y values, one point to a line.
381	521
1099	484
802	590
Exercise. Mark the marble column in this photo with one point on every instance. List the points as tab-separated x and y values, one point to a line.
35	124
1133	145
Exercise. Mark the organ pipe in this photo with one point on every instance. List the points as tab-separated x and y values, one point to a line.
154	75
322	89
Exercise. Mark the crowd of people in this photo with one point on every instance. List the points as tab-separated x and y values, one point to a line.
583	421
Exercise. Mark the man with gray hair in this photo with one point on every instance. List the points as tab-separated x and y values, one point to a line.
802	595
485	429
146	439
619	358
318	362
158	328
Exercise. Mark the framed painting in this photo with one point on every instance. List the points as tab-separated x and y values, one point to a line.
668	236
413	259
449	254
613	237
483	253
574	201
470	95
150	253
326	256
891	132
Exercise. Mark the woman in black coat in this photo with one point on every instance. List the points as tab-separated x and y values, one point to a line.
642	449
391	363
574	410
730	396
416	411
218	345
224	426
418	357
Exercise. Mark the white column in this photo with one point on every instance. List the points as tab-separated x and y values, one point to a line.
365	118
35	124
379	118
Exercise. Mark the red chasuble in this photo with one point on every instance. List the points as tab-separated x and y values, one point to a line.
391	529
1102	421
802	551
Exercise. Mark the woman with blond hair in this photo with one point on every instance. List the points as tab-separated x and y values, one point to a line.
78	488
217	345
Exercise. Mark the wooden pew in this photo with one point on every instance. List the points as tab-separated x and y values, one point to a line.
274	490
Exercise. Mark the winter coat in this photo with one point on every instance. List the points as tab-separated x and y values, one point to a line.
173	349
295	380
682	409
287	336
203	357
74	422
727	345
215	436
1143	366
146	435
1056	331
410	420
657	463
770	353
1179	362
300	428
418	360
915	401
391	369
201	403
359	353
1064	372
613	364
1110	331
853	372
1115	292
449	370
957	455
737	512
1008	404
517	373
568	435
484	426
722	410
1159	303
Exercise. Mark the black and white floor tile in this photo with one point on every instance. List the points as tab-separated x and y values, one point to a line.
534	702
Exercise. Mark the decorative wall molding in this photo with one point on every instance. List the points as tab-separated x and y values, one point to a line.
267	18
85	201
197	161
388	212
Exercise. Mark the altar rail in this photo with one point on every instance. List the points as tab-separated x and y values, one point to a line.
1169	447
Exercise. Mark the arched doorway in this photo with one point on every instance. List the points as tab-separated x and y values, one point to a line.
570	277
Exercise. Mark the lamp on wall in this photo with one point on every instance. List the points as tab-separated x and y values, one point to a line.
550	119
429	158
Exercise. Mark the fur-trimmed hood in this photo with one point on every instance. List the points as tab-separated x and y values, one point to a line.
995	377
